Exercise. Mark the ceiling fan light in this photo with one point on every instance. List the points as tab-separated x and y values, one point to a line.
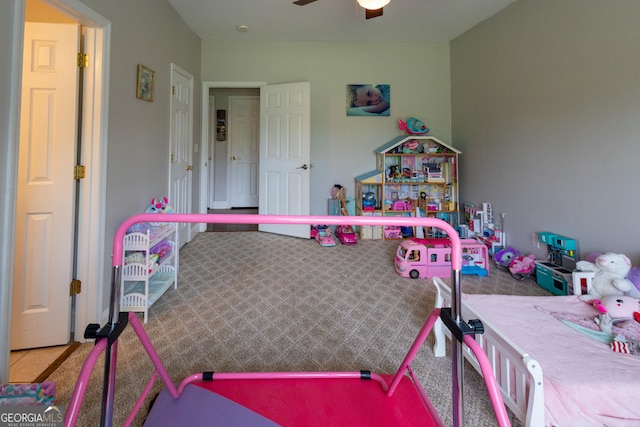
373	4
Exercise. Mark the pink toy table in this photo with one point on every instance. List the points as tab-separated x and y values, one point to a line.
358	398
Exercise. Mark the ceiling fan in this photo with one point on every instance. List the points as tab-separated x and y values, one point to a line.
372	8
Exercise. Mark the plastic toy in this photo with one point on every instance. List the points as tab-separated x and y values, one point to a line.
401	205
346	235
392	232
324	236
369	201
522	266
413	126
432	257
411	146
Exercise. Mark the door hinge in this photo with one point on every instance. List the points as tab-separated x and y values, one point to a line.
83	60
75	287
173	90
78	172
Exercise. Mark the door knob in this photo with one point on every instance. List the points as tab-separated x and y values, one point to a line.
305	167
234	158
189	168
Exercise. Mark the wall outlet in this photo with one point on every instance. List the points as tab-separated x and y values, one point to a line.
535	240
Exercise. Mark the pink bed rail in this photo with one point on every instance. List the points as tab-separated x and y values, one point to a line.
106	337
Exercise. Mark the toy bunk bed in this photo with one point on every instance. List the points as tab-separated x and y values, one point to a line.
358	398
549	373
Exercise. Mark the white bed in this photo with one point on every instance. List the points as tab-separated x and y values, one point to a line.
584	384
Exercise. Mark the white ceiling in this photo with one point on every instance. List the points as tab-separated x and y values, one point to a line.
335	20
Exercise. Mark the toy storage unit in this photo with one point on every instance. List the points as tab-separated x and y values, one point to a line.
154	270
481	226
417	181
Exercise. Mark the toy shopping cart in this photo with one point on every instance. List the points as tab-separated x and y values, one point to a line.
353	398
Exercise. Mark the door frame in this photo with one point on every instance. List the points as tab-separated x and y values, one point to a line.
206	159
92	194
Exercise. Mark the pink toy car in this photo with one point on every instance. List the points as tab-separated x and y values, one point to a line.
346	235
324	237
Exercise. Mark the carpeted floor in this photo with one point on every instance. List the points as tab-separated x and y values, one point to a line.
251	301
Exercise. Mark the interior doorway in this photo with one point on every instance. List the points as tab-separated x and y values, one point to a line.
92	200
234	118
285	115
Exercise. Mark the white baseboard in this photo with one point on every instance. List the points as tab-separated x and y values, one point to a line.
221	205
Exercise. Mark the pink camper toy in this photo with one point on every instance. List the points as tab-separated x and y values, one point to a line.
432	257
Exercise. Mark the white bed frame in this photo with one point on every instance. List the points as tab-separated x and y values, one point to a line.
518	374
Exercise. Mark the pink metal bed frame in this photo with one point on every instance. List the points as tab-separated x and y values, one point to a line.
394	394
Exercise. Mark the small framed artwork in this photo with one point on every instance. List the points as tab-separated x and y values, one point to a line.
369	100
146	83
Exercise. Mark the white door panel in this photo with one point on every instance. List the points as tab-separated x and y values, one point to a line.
45	198
244	137
285	154
181	146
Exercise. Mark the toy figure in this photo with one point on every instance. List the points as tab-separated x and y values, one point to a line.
393	172
369	201
413	126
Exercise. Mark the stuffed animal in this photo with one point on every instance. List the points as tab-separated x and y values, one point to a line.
618	307
620	311
610	279
159	206
504	256
413	126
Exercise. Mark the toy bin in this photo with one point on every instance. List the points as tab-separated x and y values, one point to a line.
40	394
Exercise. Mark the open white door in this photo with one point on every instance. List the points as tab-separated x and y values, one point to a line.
285	112
45	197
244	138
181	146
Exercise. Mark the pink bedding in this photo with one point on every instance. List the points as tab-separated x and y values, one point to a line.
585	382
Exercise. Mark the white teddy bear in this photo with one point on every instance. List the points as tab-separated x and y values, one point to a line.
610	278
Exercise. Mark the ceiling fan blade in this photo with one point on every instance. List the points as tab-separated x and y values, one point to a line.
303	2
369	14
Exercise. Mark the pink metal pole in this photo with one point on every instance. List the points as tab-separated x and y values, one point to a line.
499	410
413	350
109	374
71	416
456	261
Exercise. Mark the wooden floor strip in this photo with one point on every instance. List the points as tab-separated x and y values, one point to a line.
233	227
45	374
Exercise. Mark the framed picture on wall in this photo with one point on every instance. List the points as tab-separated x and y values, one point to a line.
146	83
368	100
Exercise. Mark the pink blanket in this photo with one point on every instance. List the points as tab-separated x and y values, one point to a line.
585	382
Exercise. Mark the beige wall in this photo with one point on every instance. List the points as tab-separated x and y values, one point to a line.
545	108
342	147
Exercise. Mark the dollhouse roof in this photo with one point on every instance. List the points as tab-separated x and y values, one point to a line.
404	138
373	177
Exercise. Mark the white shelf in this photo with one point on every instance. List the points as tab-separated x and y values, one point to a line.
143	283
